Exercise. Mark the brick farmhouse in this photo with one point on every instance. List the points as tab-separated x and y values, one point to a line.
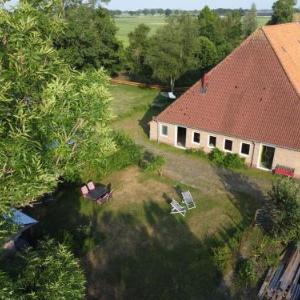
249	104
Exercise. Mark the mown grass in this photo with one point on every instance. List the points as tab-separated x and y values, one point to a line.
127	99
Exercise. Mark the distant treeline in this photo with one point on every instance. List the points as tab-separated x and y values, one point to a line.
167	12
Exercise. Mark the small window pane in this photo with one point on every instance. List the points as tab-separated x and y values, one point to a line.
212	141
245	149
228	145
164	130
197	137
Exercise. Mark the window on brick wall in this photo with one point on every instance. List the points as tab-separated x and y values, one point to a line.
164	130
196	138
228	144
212	141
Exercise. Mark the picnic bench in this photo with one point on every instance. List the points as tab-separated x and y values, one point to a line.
100	194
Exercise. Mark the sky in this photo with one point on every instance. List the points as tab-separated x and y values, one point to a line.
187	4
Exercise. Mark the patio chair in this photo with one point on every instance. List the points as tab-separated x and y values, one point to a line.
188	200
84	191
177	208
91	186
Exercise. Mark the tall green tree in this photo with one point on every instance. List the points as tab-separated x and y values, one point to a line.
48	272
233	32
168	55
176	49
53	121
210	26
283	11
250	23
136	53
89	39
225	33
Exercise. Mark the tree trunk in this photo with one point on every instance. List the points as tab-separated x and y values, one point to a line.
172	84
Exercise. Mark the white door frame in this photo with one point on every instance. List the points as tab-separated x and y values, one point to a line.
176	136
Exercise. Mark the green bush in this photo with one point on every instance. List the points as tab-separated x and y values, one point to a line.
234	161
217	157
128	153
246	272
152	163
226	160
222	257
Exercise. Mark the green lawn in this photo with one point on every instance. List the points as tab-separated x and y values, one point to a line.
126	24
127	99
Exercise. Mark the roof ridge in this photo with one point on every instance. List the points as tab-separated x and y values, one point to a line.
277	56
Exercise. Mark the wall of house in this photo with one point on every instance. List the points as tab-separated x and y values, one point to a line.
288	158
285	157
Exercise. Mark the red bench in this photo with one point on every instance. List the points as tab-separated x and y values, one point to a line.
284	171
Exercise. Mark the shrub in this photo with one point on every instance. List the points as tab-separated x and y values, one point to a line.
222	257
152	163
285	198
234	161
128	153
227	160
217	157
246	272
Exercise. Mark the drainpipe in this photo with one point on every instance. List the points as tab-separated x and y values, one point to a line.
253	151
157	129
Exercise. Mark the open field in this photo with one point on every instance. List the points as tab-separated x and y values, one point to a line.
131	247
126	24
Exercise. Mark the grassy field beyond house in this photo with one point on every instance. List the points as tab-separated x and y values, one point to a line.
126	24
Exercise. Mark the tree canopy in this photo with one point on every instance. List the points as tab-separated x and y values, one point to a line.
136	52
48	272
250	21
89	39
173	49
53	121
283	11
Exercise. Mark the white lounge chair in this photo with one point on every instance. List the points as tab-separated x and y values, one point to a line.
188	200
177	208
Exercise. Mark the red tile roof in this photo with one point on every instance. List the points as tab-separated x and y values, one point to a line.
253	94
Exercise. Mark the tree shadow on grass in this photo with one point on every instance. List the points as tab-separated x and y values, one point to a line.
157	258
244	194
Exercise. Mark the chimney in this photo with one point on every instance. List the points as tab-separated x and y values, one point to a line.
204	84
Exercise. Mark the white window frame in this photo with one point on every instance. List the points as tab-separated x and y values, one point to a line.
208	144
243	154
161	130
225	150
194	136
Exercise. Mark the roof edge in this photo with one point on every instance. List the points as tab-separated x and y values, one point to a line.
280	62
